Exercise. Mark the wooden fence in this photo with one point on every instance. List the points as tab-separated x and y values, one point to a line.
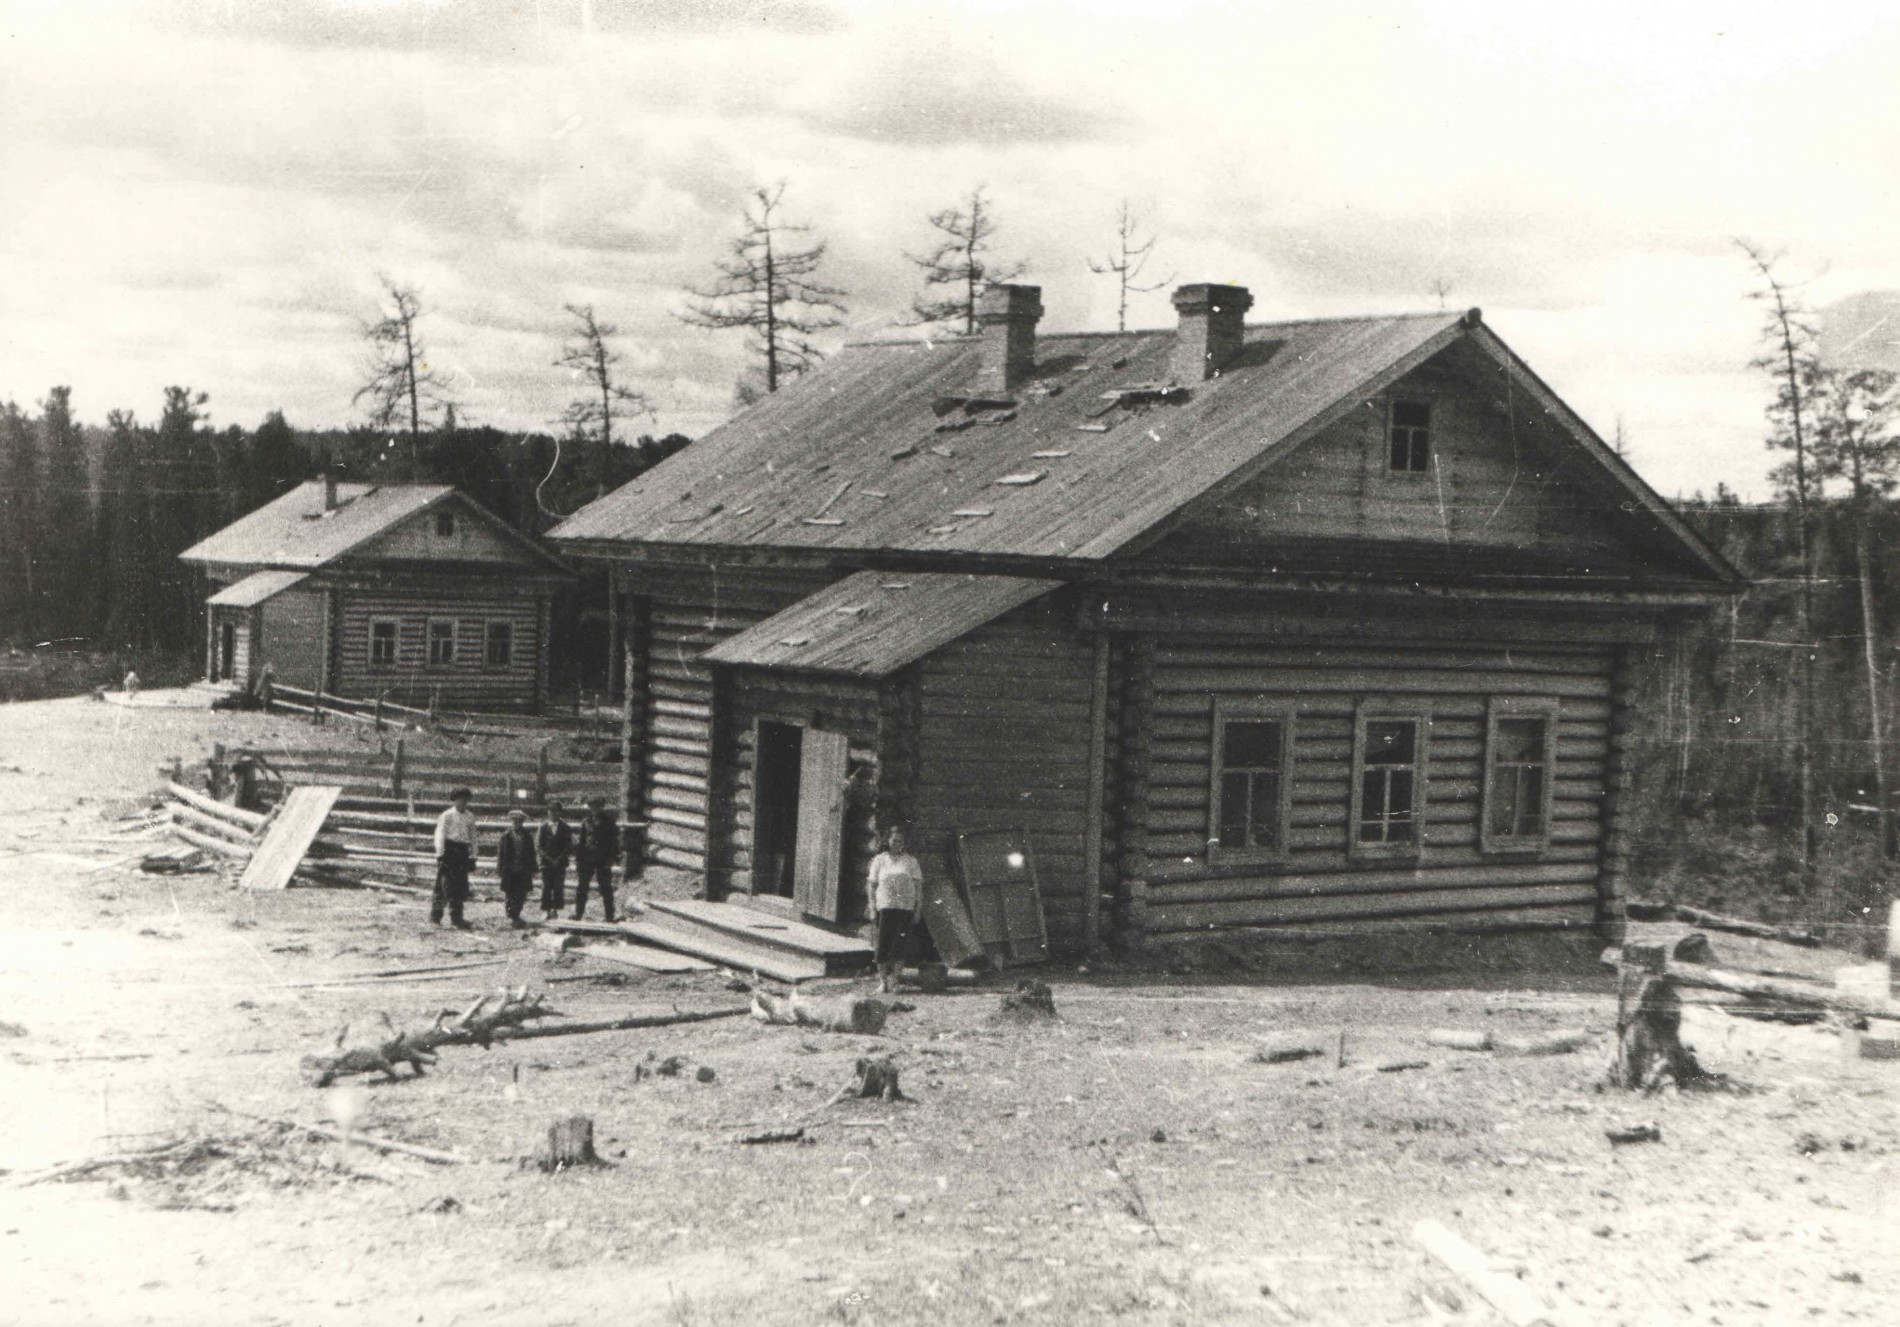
420	783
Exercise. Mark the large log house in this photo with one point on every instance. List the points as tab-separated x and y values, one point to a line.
1309	626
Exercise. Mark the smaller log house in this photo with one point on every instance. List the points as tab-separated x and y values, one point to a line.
1310	625
413	592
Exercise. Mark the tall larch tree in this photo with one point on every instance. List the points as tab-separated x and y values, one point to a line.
955	269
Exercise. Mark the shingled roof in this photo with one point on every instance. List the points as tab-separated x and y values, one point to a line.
295	530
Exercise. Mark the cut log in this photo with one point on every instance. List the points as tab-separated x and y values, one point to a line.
862	1016
570	1143
210	843
248	821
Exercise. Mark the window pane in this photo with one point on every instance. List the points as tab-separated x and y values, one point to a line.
1401	450
1412	414
1251	745
1519	740
1391	742
1502	816
1233	810
1266	810
1372	806
1421	450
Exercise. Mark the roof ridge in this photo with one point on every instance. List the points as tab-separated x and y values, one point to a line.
957	338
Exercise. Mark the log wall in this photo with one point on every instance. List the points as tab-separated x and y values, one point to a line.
470	681
291	636
1003	739
1165	816
687	613
242	622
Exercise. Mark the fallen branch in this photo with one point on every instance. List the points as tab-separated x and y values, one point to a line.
344	1136
620	1024
81	1167
1505	1293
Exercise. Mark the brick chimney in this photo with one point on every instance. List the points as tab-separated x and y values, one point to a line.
1008	316
1210	331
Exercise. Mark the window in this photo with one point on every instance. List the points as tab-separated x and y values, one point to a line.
444	522
1388	789
1517	769
382	644
441	642
1247	799
501	644
1411	437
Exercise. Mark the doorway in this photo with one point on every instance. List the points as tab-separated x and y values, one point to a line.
227	651
775	809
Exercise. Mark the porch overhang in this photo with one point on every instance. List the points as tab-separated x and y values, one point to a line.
256	588
875	622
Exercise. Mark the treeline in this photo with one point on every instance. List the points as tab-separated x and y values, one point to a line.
92	517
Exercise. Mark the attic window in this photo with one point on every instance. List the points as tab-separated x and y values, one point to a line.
444	522
1410	437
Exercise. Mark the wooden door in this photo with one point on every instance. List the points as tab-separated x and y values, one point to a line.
999	879
818	860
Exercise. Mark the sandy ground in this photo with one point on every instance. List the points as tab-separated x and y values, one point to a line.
1129	1162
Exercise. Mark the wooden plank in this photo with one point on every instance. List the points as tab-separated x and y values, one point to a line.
289	837
649	958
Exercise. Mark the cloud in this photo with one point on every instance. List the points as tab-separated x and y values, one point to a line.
948	93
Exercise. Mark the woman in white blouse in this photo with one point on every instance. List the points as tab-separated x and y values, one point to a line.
897	893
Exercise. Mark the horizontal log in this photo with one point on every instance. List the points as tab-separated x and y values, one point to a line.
676	762
687	709
685	799
666	778
1384	681
1781	990
1178	866
673	815
667	855
249	821
1229	654
697	730
1566	917
680	746
1371	881
677	836
1335	907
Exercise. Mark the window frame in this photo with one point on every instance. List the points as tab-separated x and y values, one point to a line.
1549	709
489	662
1228	711
445	522
395	644
1392	426
1377	710
430	637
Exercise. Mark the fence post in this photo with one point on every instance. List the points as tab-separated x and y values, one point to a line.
379	714
396	771
435	701
541	776
217	769
316	707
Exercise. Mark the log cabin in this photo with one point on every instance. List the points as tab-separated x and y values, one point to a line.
1310	626
412	592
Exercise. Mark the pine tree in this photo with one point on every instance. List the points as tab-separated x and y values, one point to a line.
955	271
769	286
1127	263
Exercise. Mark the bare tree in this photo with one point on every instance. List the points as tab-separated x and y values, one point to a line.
1853	440
1127	263
402	385
589	418
769	286
955	272
1791	361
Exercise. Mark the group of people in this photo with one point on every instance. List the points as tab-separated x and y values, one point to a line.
521	854
894	896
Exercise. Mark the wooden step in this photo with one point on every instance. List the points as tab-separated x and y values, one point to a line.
755	928
707	943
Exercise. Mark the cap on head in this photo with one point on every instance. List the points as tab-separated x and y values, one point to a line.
461	795
519	817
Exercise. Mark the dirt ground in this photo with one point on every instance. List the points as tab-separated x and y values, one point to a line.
1131	1161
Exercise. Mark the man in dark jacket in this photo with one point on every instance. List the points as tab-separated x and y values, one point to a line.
595	855
553	846
514	861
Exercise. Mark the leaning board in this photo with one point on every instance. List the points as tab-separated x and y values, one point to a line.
288	838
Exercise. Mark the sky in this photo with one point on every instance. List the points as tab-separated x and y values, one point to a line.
205	192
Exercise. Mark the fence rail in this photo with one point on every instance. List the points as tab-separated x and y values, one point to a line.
499	783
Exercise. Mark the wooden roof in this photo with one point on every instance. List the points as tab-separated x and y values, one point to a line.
256	588
873	623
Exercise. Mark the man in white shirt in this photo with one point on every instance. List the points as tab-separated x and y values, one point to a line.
454	858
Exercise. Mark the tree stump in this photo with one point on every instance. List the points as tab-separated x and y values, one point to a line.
877	1077
570	1143
1030	1001
1649	1049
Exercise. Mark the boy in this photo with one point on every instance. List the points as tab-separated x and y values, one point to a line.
454	857
595	856
897	892
553	845
514	859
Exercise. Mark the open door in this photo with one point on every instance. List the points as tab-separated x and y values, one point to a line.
818	861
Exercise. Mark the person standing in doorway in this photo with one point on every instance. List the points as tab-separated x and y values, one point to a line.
454	859
897	893
514	859
594	857
553	845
